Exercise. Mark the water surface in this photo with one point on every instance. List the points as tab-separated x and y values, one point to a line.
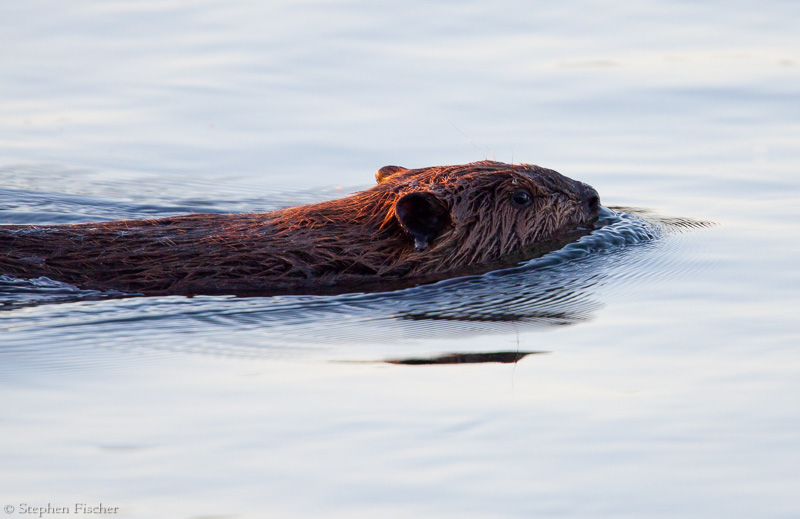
662	378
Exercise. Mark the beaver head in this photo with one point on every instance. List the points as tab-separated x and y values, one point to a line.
481	212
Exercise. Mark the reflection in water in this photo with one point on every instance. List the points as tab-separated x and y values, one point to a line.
501	357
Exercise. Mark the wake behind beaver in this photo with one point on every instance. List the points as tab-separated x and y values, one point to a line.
414	226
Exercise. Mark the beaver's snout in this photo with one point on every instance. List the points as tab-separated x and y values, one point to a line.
590	199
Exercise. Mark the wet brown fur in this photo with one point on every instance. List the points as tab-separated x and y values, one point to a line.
333	246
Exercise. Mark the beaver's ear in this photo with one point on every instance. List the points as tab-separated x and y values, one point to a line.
423	215
387	171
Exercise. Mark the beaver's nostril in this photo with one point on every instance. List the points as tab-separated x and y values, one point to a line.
593	203
590	199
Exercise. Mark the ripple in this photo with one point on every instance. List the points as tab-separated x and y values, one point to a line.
43	207
557	289
560	288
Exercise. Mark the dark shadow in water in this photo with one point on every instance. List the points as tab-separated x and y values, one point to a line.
501	357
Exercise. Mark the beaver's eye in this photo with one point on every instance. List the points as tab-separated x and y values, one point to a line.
521	198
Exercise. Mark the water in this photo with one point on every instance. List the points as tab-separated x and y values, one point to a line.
664	371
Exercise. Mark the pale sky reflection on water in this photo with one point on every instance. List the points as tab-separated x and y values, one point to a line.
673	395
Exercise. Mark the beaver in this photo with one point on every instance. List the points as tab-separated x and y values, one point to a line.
414	226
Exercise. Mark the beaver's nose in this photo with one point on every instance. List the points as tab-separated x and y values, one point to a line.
590	199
